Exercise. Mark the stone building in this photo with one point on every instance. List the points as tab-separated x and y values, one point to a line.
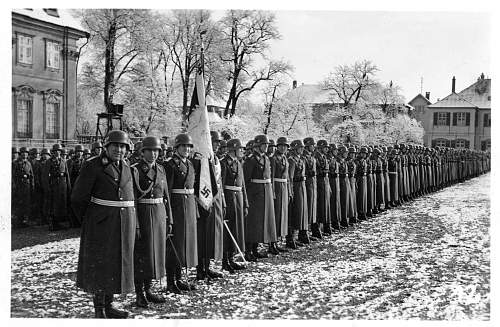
44	76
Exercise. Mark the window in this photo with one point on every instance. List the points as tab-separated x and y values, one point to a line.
23	108
487	120
23	111
461	143
52	54
461	118
442	118
52	120
486	145
441	142
25	49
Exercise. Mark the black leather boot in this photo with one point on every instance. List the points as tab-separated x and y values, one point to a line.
327	229
256	253
250	257
98	300
150	296
171	284
316	232
213	273
304	237
181	284
140	297
200	272
272	248
112	312
279	248
235	265
226	265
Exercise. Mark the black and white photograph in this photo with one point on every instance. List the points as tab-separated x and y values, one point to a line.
248	163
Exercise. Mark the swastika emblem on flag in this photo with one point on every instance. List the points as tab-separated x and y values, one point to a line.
205	192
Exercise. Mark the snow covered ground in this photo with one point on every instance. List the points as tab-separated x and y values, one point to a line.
429	259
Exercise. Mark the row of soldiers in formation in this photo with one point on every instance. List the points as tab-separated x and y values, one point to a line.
141	221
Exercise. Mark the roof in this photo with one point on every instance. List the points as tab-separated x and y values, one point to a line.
477	95
420	96
65	18
311	93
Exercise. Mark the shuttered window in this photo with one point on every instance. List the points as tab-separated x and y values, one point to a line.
487	120
25	49
23	109
442	118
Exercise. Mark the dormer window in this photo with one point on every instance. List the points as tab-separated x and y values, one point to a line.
51	12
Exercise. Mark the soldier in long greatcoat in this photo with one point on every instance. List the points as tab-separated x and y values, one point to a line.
345	187
361	185
58	187
74	166
210	226
333	166
370	195
380	199
392	167
297	210
182	249
154	216
351	170
323	225
233	182
103	201
23	185
260	222
311	184
282	192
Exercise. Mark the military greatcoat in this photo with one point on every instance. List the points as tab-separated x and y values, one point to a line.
106	259
311	187
323	190
180	176
260	223
236	201
297	211
282	185
150	186
335	192
59	188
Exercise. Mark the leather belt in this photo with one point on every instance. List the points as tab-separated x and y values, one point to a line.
111	203
261	181
280	180
393	172
183	190
299	179
150	201
323	175
233	188
343	175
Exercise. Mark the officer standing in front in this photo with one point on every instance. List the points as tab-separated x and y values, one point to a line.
103	201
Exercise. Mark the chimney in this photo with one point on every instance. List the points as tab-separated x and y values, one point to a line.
453	84
428	95
294	84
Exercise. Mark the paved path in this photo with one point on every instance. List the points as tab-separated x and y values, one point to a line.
426	260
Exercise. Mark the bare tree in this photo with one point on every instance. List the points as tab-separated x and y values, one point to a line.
115	38
349	82
248	34
182	41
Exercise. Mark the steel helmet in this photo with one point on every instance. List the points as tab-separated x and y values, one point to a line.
352	149
309	141
234	144
57	147
23	149
342	149
96	145
33	151
223	143
282	141
45	151
249	145
363	150
151	143
322	143
86	151
183	139
78	147
296	144
117	136
260	139
14	150
215	136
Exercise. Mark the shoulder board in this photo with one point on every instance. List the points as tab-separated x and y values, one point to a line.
133	165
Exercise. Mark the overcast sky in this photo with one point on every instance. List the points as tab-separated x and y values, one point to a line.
404	45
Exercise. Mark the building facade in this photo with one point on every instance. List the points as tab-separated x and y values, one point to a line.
461	120
44	76
420	106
